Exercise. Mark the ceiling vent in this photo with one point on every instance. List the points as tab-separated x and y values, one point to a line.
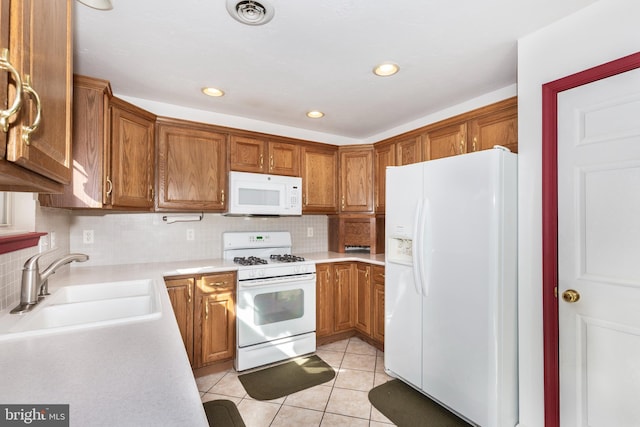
250	12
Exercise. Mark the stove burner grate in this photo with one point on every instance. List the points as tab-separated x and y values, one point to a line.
287	258
252	260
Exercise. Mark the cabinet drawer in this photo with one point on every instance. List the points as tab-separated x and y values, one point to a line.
217	282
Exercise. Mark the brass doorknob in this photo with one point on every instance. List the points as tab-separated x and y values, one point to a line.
570	296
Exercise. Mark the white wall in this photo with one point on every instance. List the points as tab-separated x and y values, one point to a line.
602	32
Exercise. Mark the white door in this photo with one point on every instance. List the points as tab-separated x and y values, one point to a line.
599	252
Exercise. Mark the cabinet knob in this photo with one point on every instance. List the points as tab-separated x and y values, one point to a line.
5	115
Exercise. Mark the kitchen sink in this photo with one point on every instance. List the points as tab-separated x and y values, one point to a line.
101	291
86	306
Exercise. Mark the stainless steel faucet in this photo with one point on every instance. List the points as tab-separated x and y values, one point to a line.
35	285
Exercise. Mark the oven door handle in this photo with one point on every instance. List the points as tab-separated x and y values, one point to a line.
254	283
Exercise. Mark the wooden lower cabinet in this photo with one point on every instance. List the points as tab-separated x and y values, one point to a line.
377	304
204	307
181	296
350	300
363	298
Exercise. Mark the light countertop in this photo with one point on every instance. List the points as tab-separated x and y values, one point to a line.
134	374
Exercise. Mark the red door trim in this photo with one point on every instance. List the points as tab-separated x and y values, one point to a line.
550	220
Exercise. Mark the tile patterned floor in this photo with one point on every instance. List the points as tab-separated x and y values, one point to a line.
341	402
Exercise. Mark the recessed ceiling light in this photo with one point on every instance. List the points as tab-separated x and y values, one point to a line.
386	69
212	91
315	114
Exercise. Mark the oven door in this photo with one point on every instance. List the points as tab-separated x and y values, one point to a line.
273	310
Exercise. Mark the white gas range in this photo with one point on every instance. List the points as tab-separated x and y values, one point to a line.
276	298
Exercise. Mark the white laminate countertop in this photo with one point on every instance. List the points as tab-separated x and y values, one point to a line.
134	374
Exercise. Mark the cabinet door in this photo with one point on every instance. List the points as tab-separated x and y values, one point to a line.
284	159
409	151
385	155
498	128
363	298
248	154
377	304
41	50
324	300
181	292
216	329
319	180
447	141
91	147
132	160
356	180
344	296
5	102
192	171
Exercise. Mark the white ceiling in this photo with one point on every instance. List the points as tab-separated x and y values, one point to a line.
312	55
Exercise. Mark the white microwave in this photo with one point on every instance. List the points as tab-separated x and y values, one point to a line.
260	194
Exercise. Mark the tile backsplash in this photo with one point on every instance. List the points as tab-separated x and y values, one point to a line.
127	238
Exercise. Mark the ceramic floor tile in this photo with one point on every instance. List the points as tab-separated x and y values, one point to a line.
257	414
289	416
229	385
335	346
380	378
206	382
359	362
312	398
332	358
335	420
379	363
352	403
356	345
379	424
378	416
354	380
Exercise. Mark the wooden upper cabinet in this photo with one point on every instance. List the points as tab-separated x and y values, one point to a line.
446	141
5	102
356	179
284	158
37	156
192	166
408	151
319	179
384	155
497	128
248	154
113	152
41	51
264	156
132	155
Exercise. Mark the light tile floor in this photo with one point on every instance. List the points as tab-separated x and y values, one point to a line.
341	402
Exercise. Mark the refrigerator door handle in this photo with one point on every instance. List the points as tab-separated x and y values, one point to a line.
425	246
415	248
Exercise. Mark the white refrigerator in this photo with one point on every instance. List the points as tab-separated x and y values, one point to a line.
451	283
